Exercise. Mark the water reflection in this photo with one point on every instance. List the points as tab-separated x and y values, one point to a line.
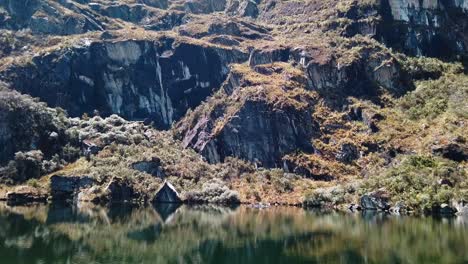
210	234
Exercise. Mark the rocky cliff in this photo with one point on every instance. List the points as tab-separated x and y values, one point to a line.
137	79
214	95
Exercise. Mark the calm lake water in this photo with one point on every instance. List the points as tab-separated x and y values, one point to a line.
209	234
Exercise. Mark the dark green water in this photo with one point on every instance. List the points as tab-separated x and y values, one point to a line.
207	234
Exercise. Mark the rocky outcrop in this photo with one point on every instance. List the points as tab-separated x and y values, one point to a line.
369	117
245	8
252	123
377	200
64	188
348	153
461	207
167	194
135	79
357	73
445	210
260	134
429	28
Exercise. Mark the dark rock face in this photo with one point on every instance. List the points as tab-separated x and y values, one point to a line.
167	194
457	151
261	135
429	28
348	153
258	57
67	188
361	76
120	191
445	210
134	79
375	201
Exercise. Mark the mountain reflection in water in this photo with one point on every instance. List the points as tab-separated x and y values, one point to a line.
210	234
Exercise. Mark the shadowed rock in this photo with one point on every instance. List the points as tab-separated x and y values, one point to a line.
119	191
376	201
66	188
457	151
167	194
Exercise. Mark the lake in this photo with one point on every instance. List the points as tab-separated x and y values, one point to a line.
211	234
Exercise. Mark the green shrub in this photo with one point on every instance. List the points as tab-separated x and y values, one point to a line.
416	181
432	98
213	192
70	153
28	165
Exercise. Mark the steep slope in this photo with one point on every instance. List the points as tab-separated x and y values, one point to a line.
299	101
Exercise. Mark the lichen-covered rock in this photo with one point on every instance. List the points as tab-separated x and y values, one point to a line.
357	73
167	194
461	207
245	8
399	208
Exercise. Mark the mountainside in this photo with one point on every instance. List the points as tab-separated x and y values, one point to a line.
332	103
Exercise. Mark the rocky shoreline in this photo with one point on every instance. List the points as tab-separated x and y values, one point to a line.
73	190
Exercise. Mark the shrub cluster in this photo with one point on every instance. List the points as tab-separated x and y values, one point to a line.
213	192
